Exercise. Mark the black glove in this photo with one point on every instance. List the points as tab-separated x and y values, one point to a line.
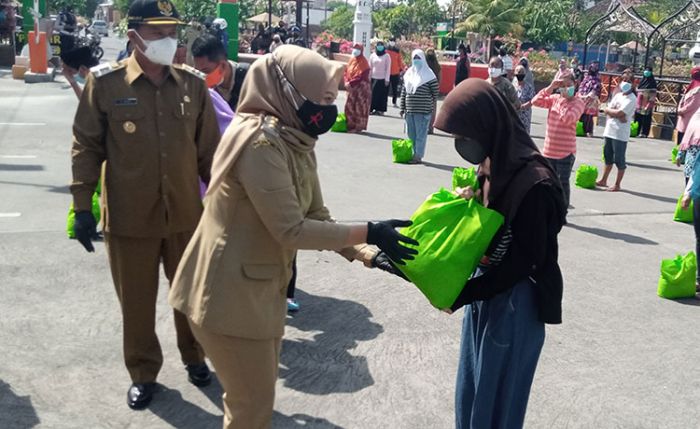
383	235
383	262
85	228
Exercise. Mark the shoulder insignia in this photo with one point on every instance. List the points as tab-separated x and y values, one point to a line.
105	69
191	70
261	141
271	127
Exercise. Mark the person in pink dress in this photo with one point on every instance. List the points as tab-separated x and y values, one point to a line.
689	104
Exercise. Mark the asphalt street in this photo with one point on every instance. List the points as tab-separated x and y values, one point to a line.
366	350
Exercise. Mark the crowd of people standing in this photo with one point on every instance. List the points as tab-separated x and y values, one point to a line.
211	132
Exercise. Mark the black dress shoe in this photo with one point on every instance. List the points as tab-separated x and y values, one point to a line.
199	374
140	395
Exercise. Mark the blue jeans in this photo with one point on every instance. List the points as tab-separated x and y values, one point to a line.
501	343
418	125
563	168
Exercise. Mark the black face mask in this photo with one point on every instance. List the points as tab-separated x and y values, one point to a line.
470	150
520	77
317	119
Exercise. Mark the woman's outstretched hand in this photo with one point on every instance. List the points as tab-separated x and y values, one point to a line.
382	261
384	235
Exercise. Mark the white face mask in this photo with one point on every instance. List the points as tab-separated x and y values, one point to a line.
494	72
356	52
161	51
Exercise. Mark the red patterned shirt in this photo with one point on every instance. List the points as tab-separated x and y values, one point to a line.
560	138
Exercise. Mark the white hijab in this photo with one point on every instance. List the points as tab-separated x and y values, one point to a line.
415	77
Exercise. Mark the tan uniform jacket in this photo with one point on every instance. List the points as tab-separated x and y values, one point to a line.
234	274
156	141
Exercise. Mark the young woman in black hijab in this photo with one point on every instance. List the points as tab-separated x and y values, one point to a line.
646	100
518	287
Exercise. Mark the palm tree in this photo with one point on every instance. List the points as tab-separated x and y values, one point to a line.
492	17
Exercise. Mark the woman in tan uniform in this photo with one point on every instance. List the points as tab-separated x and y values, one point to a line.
264	202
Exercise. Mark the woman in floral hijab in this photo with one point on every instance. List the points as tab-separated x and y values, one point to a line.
590	84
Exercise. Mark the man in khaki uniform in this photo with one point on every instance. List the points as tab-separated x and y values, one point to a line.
154	127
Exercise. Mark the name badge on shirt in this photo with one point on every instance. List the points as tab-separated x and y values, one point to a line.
126	102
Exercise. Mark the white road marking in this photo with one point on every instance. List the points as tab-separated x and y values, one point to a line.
18	156
15	214
24	124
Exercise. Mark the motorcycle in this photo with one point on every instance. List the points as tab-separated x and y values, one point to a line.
92	41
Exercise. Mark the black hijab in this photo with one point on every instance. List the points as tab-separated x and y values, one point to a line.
476	110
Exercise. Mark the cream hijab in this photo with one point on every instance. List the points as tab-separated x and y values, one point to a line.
414	76
266	100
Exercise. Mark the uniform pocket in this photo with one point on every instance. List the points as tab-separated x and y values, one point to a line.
127	122
261	271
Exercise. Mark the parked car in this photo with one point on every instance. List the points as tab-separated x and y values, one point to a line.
100	27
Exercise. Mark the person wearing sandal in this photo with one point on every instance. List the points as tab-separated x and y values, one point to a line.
418	101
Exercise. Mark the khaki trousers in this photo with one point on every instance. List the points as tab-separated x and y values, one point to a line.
135	263
247	370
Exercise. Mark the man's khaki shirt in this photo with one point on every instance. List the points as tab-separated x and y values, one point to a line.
155	142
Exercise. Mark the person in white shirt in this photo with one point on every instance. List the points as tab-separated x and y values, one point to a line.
380	66
620	112
507	64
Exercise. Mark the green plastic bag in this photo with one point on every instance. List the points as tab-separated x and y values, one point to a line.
453	234
402	151
677	278
579	129
586	176
634	129
70	222
341	124
463	177
685	216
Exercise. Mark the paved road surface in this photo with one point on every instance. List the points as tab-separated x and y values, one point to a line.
366	351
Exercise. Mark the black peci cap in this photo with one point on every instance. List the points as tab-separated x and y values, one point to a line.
153	12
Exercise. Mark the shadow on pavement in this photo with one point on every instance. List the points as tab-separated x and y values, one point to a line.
64	189
169	405
214	392
17	412
627	238
654	167
378	136
650	196
281	421
689	301
439	166
21	167
324	364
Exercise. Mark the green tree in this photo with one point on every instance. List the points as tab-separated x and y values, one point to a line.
426	13
195	9
415	17
335	4
84	8
657	10
340	22
493	17
122	6
546	21
397	20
